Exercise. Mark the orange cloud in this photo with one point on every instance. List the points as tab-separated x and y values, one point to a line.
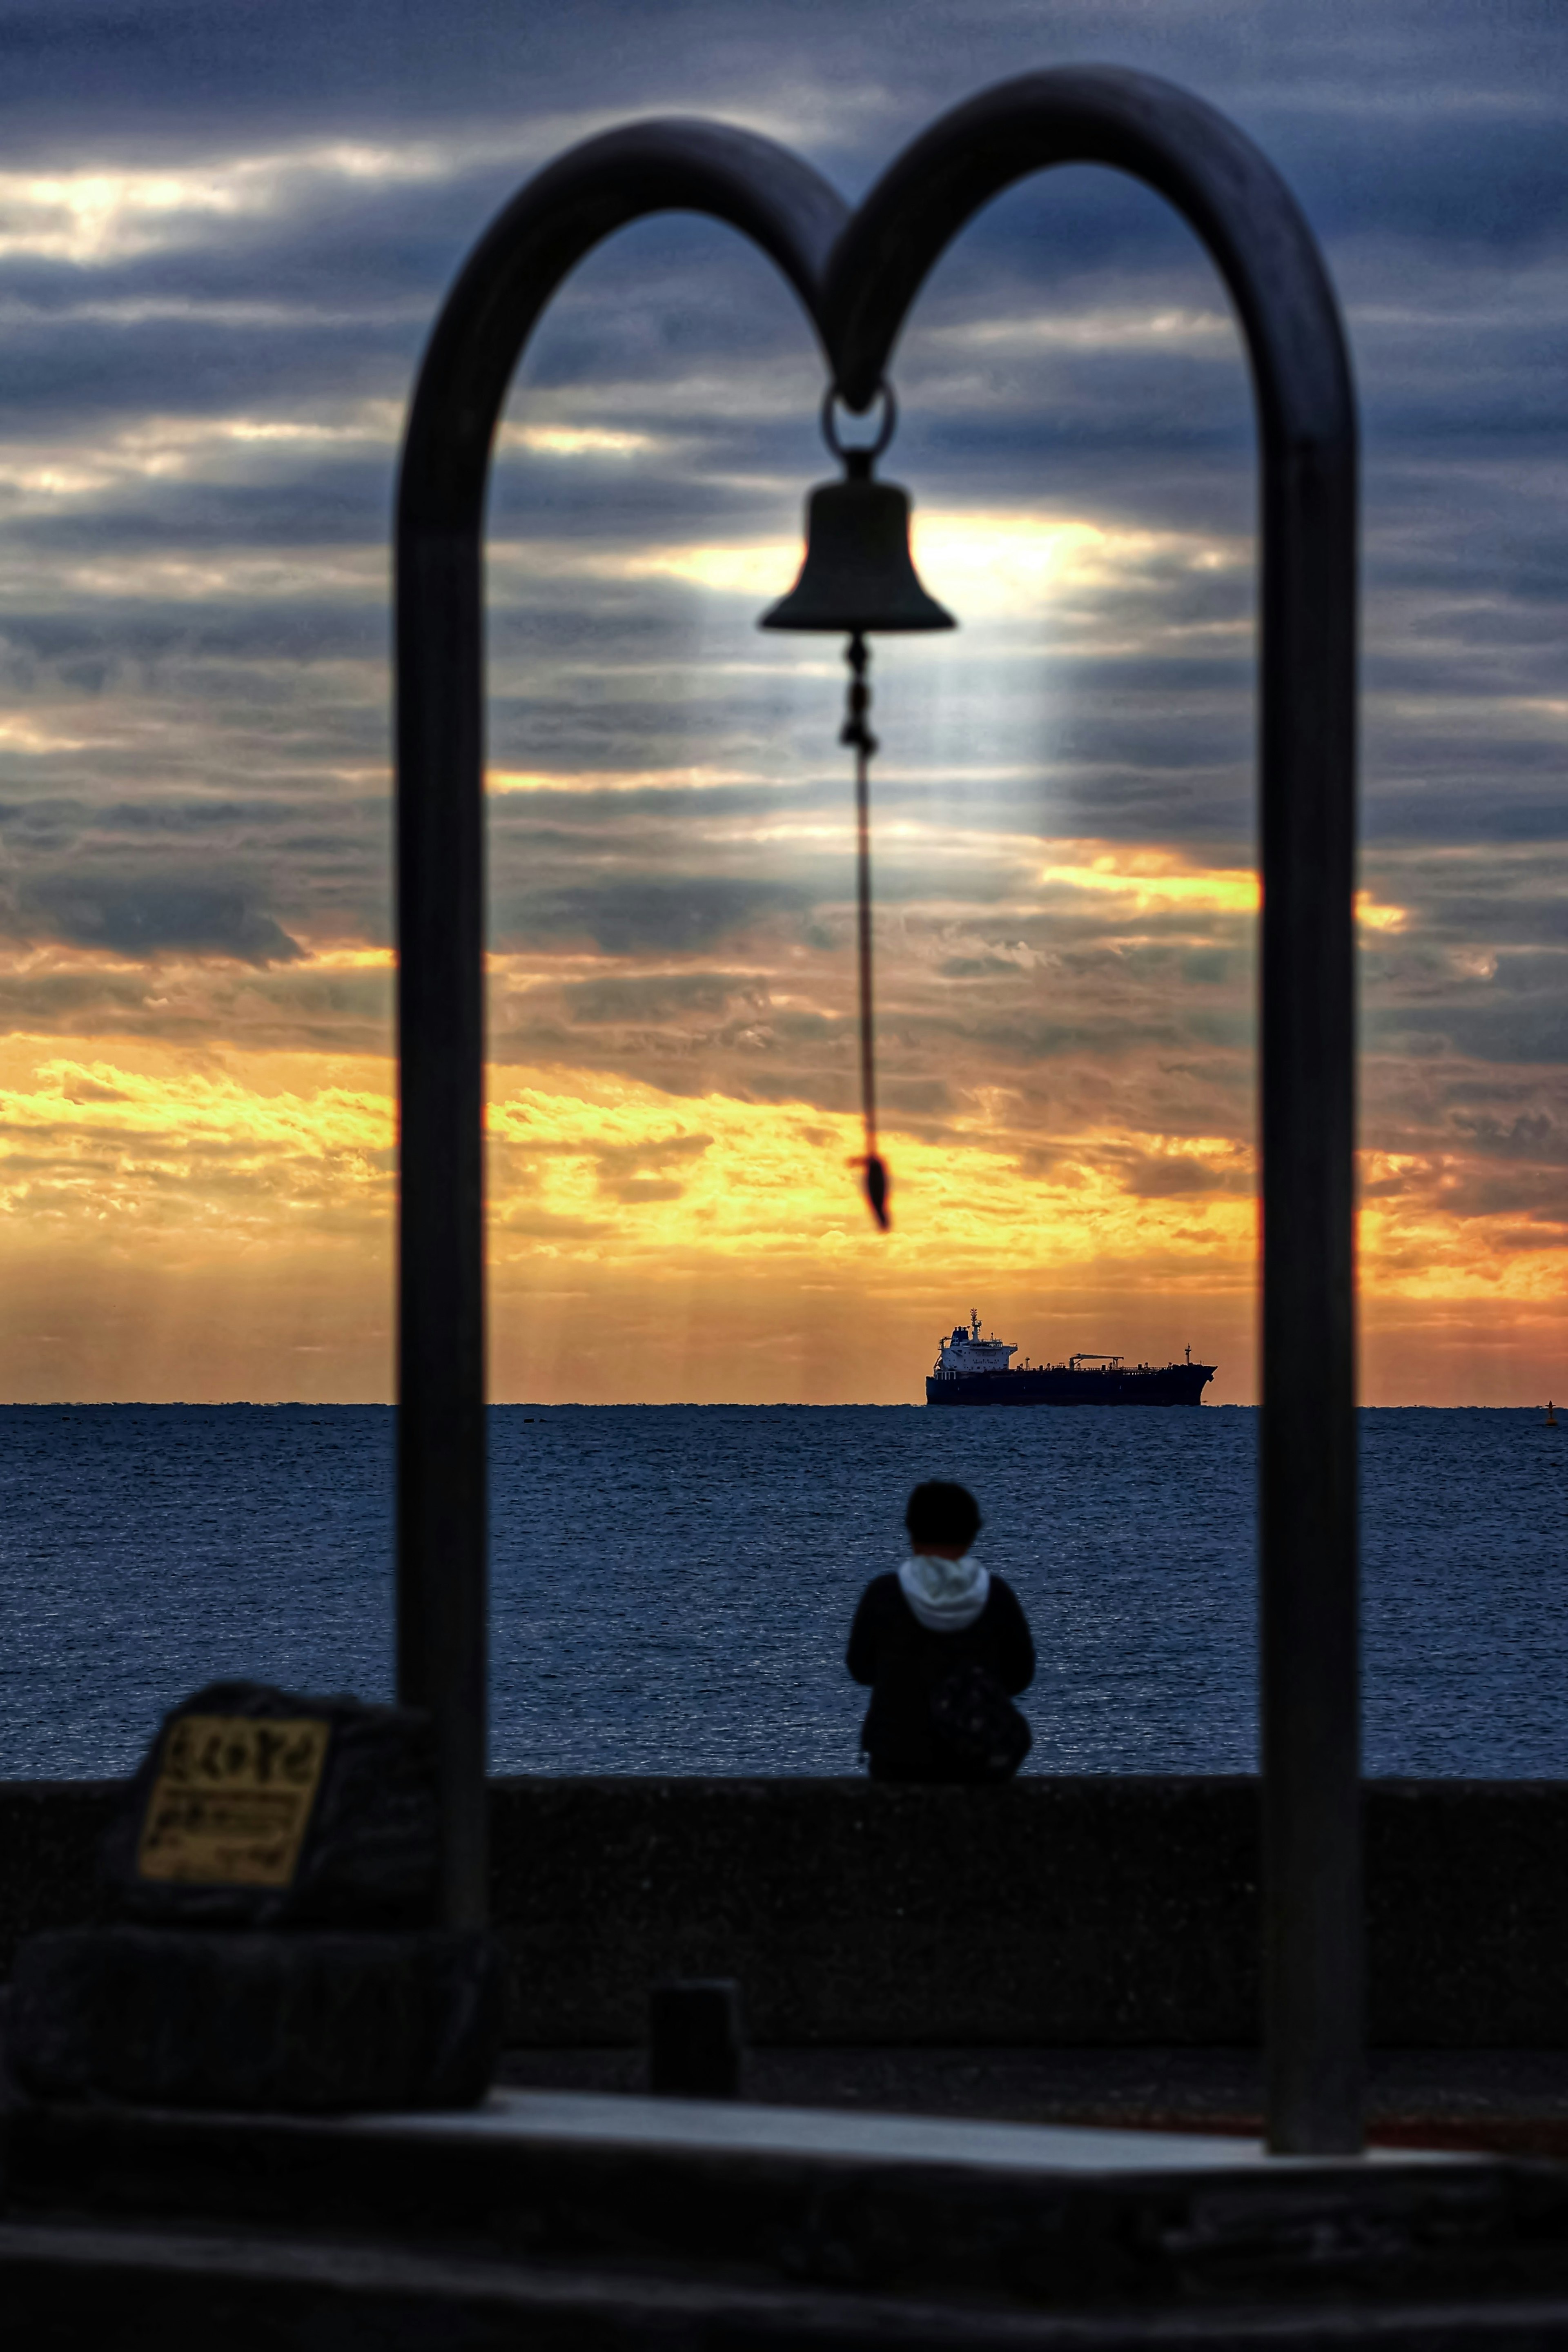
1155	880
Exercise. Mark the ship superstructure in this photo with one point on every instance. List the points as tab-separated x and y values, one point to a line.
967	1353
973	1370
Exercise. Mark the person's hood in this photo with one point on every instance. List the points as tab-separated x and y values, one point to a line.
945	1594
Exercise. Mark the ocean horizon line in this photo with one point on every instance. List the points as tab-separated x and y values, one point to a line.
640	1404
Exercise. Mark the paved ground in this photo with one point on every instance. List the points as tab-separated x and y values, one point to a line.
1514	2100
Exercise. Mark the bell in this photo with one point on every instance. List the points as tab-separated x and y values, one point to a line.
858	574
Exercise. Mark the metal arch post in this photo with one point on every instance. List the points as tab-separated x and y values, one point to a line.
1238	206
794	217
1313	1918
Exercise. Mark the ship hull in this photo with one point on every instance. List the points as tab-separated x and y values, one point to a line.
1064	1384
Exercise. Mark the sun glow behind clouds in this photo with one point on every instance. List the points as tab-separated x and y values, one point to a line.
129	1165
986	564
587	784
132	1150
621	1174
995	564
97	218
151	1150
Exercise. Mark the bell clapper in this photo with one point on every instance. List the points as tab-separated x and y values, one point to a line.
857	735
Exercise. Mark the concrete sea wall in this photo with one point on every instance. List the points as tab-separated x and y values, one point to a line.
1081	1911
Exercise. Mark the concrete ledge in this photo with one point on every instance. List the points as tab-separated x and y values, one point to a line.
1102	1910
71	2287
1095	1911
1038	2218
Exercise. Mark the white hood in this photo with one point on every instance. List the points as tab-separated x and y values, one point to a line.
945	1594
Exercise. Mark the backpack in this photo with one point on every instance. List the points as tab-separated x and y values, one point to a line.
977	1726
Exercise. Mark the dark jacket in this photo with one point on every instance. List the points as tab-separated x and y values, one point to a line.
904	1661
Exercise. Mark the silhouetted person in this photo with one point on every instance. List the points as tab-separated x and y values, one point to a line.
943	1646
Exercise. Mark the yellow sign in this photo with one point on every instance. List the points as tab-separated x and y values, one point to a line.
232	1800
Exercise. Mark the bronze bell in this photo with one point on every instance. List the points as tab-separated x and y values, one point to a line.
858	574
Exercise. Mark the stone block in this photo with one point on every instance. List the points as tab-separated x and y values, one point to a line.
696	2043
369	1857
309	2021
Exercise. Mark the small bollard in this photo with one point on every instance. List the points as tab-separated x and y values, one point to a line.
694	2038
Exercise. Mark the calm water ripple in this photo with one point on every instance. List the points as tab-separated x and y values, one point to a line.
673	1585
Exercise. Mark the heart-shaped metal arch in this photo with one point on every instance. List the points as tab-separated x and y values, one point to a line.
857	277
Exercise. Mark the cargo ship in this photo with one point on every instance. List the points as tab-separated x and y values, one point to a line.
973	1370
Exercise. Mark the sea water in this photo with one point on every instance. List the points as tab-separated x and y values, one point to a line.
671	1586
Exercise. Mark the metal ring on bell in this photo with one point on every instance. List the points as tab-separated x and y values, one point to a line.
864	449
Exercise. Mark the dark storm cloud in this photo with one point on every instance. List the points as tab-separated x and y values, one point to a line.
1536	1136
55	824
149	918
1169	1176
383	65
668	996
632	917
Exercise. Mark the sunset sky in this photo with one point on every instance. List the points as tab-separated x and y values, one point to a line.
224	235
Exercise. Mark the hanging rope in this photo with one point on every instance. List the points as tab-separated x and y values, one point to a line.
856	733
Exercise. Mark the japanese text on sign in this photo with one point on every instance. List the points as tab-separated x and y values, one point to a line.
232	1800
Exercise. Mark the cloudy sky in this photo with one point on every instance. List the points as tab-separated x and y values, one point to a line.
224	235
